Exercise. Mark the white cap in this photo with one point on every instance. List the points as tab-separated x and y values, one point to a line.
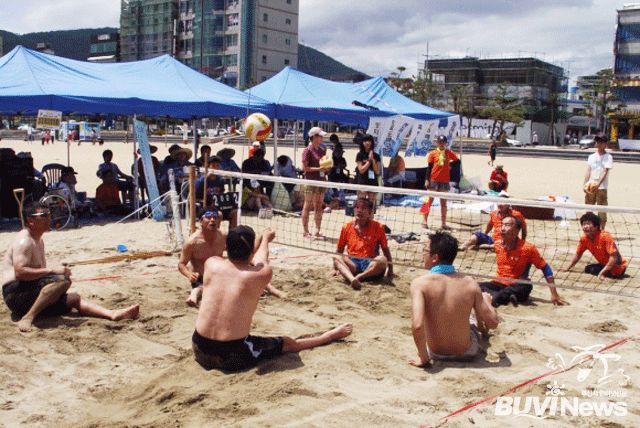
316	131
256	143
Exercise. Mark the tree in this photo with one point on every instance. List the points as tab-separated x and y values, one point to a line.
420	89
463	98
601	96
504	107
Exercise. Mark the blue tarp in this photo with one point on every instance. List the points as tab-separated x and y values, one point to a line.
377	93
156	87
297	95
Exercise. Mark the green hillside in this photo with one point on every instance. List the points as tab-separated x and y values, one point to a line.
75	44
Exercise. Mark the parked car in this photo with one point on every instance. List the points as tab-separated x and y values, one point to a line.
587	141
513	143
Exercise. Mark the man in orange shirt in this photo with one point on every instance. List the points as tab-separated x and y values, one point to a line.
599	243
514	258
362	237
483	240
440	162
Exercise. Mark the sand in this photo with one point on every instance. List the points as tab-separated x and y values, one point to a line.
79	372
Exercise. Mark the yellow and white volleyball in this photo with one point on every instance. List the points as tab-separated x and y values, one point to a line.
326	162
257	127
590	187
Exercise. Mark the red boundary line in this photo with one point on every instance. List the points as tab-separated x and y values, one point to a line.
123	276
515	388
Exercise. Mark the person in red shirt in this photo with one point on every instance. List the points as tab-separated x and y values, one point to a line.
514	258
108	195
599	243
498	180
313	195
483	240
362	237
440	162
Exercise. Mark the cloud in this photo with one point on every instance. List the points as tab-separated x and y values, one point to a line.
381	36
27	16
377	36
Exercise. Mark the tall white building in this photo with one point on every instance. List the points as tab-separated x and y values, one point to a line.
239	42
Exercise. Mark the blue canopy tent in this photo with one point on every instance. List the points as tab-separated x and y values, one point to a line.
157	87
297	95
377	93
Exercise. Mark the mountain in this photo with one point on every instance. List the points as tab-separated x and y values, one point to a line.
315	63
76	44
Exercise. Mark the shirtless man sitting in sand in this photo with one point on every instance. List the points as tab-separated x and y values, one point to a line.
206	242
231	291
30	288
362	237
442	301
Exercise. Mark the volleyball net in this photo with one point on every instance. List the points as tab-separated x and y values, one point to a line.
551	225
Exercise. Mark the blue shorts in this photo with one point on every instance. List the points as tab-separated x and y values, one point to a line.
483	238
362	265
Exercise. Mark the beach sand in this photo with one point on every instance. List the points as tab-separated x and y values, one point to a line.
82	372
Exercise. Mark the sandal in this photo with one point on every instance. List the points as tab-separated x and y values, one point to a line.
319	235
307	236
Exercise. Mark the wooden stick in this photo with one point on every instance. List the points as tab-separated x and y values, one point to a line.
128	257
20	202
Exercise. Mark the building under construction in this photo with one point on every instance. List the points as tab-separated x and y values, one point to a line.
536	83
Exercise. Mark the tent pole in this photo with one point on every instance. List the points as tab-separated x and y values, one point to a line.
460	138
195	138
295	141
275	140
136	174
68	144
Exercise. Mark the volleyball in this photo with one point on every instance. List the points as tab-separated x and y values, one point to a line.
257	127
326	162
590	187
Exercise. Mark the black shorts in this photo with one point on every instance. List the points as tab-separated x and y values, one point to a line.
234	355
21	295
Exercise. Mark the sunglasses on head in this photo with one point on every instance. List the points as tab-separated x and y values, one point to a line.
41	214
210	214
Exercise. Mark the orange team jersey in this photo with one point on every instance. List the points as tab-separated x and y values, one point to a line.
496	221
441	173
514	263
362	246
602	247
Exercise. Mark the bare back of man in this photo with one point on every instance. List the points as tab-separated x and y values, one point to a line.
441	305
230	296
449	301
231	292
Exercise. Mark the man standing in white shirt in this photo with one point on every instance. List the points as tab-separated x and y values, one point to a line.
599	164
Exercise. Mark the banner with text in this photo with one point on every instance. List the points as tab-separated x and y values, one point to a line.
149	173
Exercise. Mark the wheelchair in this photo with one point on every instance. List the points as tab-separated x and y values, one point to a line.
61	211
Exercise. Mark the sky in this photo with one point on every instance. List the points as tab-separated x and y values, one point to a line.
378	36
